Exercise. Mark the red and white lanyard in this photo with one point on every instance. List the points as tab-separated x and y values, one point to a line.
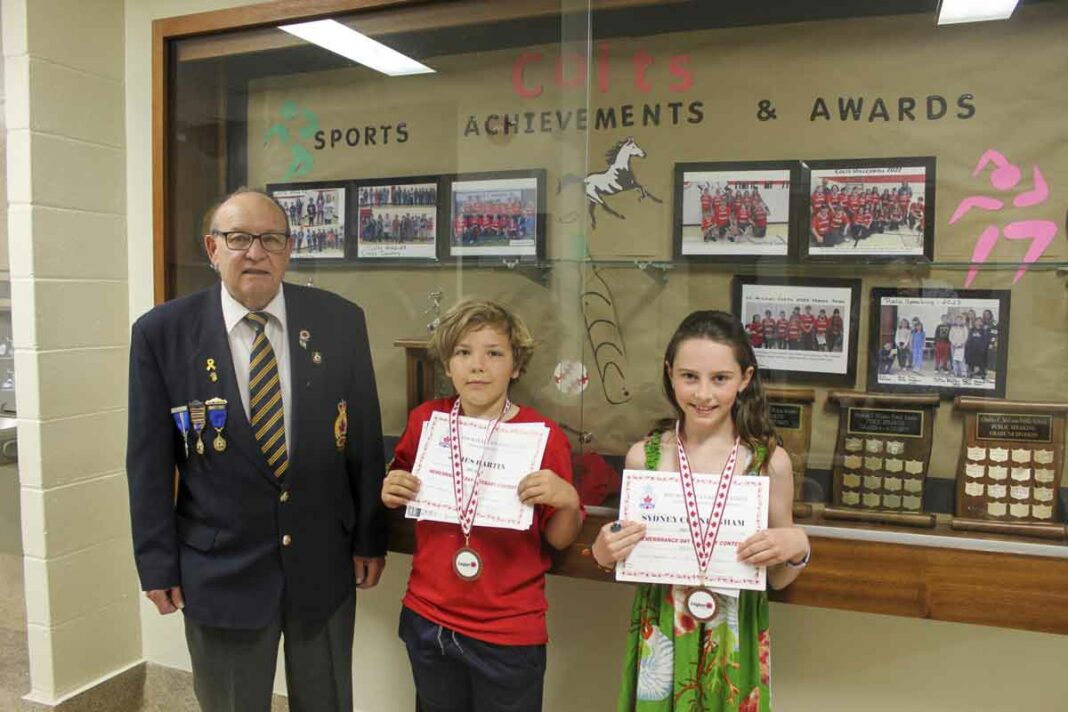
466	515
704	538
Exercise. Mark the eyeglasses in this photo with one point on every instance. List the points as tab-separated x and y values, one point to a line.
240	240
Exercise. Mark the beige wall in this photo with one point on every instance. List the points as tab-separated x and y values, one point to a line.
64	83
823	660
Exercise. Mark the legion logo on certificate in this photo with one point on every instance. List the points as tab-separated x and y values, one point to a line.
667	555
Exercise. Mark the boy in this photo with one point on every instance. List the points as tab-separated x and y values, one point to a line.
479	643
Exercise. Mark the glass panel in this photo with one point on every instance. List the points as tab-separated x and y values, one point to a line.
671	162
406	193
946	215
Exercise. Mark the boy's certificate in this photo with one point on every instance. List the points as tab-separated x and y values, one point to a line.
515	450
666	554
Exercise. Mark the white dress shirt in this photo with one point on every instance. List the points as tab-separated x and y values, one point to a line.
241	335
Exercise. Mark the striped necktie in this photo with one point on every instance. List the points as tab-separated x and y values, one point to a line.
265	397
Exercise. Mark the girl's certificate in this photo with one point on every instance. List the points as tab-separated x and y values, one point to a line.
515	450
666	554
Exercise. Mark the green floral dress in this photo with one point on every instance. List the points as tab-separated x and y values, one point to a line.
675	664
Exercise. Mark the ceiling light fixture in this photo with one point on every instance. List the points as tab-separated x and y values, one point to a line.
952	12
343	40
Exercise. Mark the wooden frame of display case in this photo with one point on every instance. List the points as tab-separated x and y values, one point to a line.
849	570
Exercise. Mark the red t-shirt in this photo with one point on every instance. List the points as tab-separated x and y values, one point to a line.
723	213
506	605
807	322
781	326
756	334
760	214
822	323
821	224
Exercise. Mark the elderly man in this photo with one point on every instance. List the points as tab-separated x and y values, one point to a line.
262	395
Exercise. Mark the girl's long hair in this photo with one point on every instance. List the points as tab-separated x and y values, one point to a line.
750	410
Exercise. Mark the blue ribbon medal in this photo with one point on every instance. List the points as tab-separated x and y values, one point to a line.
217	418
181	419
196	416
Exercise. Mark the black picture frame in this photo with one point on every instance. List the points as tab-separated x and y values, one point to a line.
465	247
383	248
929	304
802	360
717	244
878	246
316	231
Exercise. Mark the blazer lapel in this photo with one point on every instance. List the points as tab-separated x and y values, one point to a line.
300	376
215	344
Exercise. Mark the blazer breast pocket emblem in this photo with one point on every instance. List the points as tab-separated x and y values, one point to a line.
341	425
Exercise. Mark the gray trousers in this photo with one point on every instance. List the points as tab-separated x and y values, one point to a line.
233	670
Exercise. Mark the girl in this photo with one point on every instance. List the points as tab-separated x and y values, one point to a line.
479	644
919	340
674	663
903	341
958	337
975	349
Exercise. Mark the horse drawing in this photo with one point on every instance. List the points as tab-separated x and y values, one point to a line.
617	178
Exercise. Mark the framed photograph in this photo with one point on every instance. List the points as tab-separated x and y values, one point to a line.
497	216
735	212
316	213
949	341
397	219
802	330
868	210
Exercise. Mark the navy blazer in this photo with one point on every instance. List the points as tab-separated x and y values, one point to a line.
221	537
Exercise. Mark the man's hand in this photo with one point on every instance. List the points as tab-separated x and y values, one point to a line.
368	570
548	488
167	600
399	488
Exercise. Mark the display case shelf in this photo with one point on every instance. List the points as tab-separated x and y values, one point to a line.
980	579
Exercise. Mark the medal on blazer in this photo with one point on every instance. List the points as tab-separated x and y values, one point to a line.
701	602
303	338
217	417
466	562
210	368
196	416
181	419
341	425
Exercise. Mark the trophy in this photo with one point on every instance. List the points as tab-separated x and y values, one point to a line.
1008	474
881	457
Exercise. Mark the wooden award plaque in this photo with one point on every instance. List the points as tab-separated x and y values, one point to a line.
881	457
791	413
1009	471
424	378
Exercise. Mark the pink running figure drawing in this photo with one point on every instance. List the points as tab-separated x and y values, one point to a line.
1005	177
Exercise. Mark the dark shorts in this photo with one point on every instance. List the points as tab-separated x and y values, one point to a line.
455	673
